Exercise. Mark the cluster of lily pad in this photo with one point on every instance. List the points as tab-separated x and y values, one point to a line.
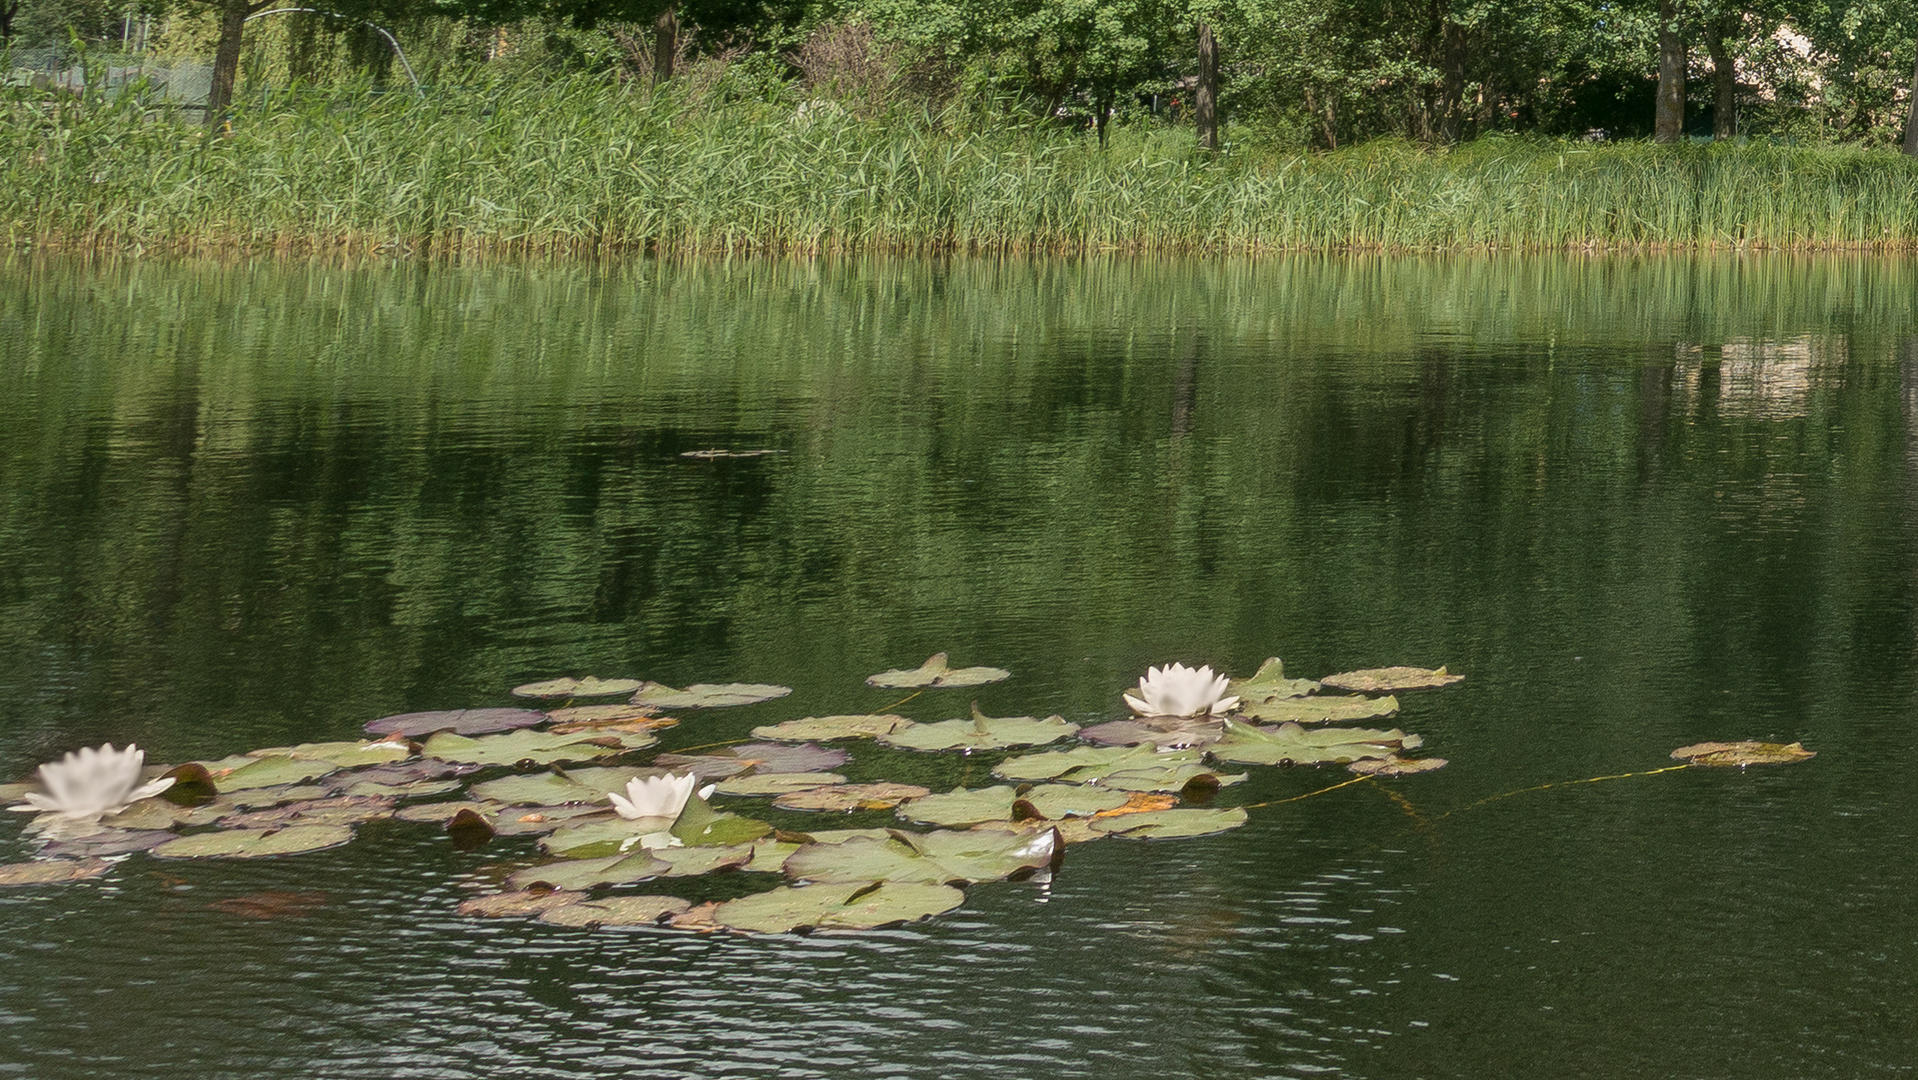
564	778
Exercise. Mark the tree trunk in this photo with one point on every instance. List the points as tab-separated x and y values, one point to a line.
8	9
1104	106
1205	105
1452	51
1669	121
1724	80
1911	121
226	59
665	43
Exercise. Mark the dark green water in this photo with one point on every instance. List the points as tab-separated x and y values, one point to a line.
1639	503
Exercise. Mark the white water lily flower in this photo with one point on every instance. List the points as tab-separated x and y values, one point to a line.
654	796
1177	690
91	782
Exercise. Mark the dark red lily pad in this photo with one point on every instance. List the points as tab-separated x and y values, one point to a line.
458	721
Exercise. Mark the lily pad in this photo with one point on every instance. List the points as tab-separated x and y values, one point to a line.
1748	752
849	797
1390	680
161	814
246	771
539	747
403	774
588	687
519	902
1161	732
1120	768
619	717
347	755
777	783
937	672
828	728
708	695
1270	684
582	874
1333	709
458	721
1396	766
419	789
701	825
558	787
762	758
934	858
769	853
108	842
982	732
339	810
616	911
850	906
52	871
254	843
261	798
960	808
1170	824
1299	746
602	835
535	820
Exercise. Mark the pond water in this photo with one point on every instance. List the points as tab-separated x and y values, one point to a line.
1638	502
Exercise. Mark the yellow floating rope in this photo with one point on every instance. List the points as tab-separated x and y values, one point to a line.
1564	783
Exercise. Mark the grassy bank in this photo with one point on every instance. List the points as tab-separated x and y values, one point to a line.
576	167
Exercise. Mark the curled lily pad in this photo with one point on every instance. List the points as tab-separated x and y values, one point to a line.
778	783
1270	684
616	911
469	830
254	843
1749	752
849	906
982	732
52	871
849	797
1390	680
582	874
937	672
539	747
1170	824
762	758
519	902
1396	766
588	687
828	728
107	842
708	695
459	721
440	813
1330	709
1290	743
1160	732
192	785
936	858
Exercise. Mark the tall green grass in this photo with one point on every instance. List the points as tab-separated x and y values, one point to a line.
578	166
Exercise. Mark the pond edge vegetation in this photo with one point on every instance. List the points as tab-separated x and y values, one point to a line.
576	167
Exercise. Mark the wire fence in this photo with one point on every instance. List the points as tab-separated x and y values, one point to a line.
182	83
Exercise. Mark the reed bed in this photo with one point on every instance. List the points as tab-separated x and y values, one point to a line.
579	167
